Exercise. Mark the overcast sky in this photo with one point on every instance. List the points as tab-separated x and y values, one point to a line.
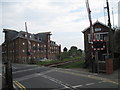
65	19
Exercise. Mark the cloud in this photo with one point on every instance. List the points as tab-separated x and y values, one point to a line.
64	18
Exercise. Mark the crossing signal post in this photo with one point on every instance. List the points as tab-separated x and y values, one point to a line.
98	45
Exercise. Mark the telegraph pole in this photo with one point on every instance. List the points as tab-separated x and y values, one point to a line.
109	23
109	34
7	72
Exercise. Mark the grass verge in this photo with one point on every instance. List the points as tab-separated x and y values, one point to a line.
56	61
78	64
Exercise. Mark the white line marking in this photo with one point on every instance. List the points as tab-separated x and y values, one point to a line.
14	67
104	81
0	74
95	74
77	86
15	87
90	83
33	75
100	82
56	81
25	70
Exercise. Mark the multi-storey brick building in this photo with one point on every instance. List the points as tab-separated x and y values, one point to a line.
23	47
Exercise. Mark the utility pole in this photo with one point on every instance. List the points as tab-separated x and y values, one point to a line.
8	80
109	23
113	17
109	34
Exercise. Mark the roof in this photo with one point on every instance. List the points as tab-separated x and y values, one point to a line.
97	22
39	37
45	33
13	34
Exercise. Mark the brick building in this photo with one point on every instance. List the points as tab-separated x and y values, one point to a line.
22	47
97	53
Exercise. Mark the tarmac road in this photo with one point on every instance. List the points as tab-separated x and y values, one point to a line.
39	77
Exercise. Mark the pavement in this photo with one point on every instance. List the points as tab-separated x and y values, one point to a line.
113	77
0	67
0	82
0	77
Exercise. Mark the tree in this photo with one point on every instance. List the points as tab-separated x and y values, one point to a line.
72	51
65	49
79	52
64	55
73	48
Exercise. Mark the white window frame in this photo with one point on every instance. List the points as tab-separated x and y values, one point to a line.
23	43
23	50
97	29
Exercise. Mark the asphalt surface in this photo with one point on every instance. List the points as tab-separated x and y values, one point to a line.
0	74
39	77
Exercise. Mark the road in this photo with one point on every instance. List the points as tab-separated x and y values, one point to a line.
48	78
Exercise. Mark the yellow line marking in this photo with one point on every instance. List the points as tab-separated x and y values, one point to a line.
20	85
17	84
90	76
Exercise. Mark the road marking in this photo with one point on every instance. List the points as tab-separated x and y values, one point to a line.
90	84
90	76
100	82
25	70
14	67
77	86
58	81
33	75
19	85
15	87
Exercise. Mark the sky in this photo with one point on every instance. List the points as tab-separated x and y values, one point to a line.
65	19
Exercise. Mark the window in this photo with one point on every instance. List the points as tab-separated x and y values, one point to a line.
23	43
38	45
33	44
23	50
105	37
40	39
97	36
34	51
30	36
101	36
97	29
88	38
25	35
44	45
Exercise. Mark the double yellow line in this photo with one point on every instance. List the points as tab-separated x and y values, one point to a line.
19	85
